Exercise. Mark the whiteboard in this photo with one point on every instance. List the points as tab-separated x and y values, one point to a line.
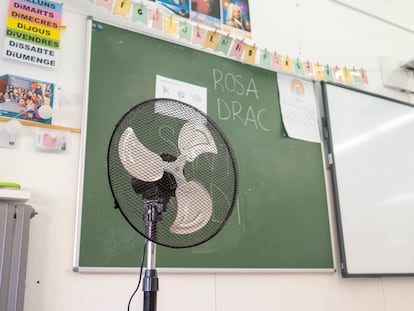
371	142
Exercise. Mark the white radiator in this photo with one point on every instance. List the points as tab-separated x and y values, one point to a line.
14	240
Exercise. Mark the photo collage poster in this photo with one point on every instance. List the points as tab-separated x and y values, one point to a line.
26	99
231	15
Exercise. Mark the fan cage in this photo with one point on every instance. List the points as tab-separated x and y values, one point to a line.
157	123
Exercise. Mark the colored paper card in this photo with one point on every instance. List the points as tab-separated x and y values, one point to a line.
277	61
297	64
287	64
184	31
364	76
139	13
170	25
224	44
308	67
41	23
356	76
212	40
199	36
238	48
319	73
122	7
338	74
347	75
250	54
32	29
37	55
105	3
28	13
328	73
155	19
264	58
45	5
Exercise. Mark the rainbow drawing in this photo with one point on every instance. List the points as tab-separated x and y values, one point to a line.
297	88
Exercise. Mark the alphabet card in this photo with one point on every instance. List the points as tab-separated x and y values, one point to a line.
33	32
238	49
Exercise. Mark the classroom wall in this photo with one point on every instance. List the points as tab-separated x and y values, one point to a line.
329	32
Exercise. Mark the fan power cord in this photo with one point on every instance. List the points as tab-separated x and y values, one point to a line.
140	275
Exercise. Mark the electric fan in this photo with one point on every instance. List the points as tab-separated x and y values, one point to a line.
173	176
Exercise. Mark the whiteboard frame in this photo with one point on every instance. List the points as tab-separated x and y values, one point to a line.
344	145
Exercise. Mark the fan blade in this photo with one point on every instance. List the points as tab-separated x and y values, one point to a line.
194	208
195	139
139	161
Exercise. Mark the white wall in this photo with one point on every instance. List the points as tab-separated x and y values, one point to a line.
319	30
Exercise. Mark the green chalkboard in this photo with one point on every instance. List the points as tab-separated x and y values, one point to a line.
281	217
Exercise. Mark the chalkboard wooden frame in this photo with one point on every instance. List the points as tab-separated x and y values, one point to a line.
281	220
372	171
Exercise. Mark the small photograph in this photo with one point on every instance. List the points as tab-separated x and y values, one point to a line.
177	7
206	11
26	99
236	14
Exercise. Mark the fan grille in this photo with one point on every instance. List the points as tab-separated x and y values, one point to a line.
157	124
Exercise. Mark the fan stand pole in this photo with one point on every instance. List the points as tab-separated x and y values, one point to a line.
153	210
150	285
